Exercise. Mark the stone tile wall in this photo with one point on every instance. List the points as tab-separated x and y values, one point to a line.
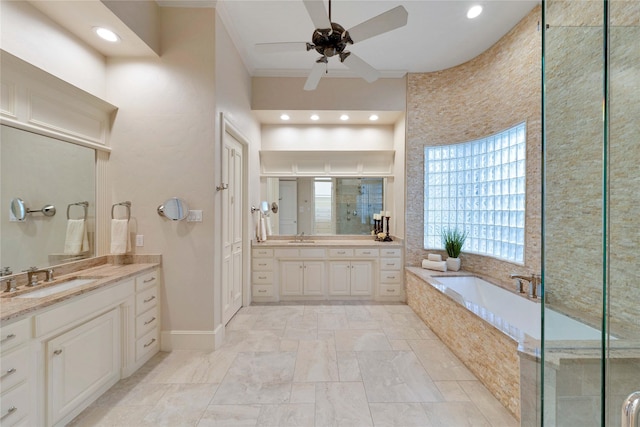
494	91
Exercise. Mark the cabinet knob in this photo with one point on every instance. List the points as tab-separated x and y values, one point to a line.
10	371
58	352
10	411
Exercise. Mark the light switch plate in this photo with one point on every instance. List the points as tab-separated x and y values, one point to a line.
139	240
195	216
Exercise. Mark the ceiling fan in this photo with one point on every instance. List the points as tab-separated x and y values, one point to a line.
331	39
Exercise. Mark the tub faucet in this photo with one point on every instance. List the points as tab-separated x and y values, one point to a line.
533	280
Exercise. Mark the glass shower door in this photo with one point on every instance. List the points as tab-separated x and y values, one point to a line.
591	229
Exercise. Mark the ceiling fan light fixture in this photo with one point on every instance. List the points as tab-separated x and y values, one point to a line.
315	117
474	11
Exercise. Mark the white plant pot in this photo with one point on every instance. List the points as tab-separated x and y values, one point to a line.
453	264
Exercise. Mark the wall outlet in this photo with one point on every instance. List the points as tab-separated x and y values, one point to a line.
139	240
195	216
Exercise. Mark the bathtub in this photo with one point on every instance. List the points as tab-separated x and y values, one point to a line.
488	328
509	312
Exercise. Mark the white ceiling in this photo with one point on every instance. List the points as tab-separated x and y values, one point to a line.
438	34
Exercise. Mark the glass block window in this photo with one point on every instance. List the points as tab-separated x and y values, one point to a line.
478	186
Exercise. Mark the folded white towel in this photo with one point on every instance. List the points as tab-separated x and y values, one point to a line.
120	242
434	265
434	257
76	240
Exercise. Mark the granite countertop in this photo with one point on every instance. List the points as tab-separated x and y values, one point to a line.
320	242
105	274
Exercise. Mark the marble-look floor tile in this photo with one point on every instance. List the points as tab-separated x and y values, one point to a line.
452	391
342	404
132	394
316	361
396	376
242	321
182	405
401	333
348	367
361	340
332	321
263	377
253	340
400	345
230	415
441	364
117	416
399	414
287	415
458	414
303	393
488	405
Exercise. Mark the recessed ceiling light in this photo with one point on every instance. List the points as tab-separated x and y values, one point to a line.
474	11
314	117
284	117
106	34
373	117
344	117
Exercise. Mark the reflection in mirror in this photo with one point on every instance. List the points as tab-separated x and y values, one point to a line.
42	170
325	205
174	209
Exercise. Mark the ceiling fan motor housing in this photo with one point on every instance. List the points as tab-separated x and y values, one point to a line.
329	42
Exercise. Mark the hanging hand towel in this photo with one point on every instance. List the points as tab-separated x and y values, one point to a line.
120	242
76	238
434	265
263	229
268	221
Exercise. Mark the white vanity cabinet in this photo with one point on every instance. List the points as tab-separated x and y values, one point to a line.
81	362
302	278
350	278
262	274
147	317
391	273
16	376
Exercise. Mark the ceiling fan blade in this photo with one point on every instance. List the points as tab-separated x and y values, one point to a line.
361	68
281	47
314	76
387	21
317	13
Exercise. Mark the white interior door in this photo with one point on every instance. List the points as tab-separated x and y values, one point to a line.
288	207
232	229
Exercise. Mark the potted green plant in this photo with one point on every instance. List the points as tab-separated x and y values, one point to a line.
453	240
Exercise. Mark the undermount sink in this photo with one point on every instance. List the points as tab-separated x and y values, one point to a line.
303	241
60	287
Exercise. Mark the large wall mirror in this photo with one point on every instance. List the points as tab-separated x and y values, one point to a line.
43	172
325	205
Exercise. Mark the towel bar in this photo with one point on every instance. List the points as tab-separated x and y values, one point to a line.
125	204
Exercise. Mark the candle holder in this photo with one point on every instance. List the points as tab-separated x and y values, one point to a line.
387	237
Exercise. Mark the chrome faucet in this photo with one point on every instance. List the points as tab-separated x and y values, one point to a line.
301	236
32	275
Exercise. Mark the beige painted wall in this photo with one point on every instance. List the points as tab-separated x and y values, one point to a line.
31	36
492	92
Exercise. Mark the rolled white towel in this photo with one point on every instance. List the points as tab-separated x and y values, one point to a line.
434	257
434	265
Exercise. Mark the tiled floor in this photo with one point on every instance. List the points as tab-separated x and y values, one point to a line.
306	365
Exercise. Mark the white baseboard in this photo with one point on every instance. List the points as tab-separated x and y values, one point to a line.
192	340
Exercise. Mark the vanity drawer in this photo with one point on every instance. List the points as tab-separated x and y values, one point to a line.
146	322
262	291
146	280
390	264
147	344
341	252
262	253
14	405
262	264
391	252
367	253
146	300
15	367
312	253
390	277
390	290
262	277
15	334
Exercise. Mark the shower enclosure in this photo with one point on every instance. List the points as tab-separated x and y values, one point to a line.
591	202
